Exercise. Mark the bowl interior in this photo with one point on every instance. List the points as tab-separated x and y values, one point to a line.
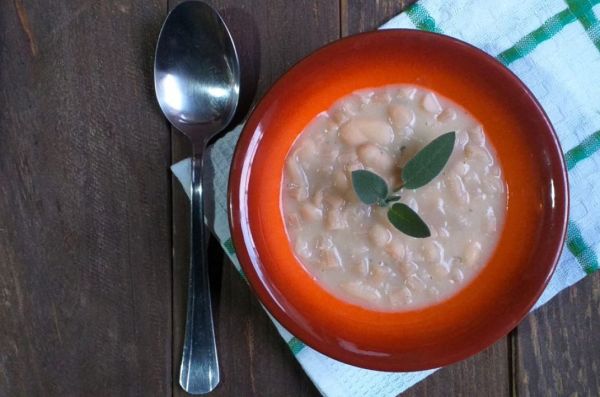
531	241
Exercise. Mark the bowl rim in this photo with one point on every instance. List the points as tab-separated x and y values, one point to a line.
254	280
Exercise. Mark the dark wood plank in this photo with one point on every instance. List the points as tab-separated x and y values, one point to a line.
559	345
488	372
85	291
254	360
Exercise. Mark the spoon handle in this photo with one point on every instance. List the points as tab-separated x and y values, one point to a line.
199	364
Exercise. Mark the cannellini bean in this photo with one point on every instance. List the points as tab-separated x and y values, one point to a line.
457	190
334	220
381	98
361	291
380	274
401	297
431	104
300	193
461	168
415	283
363	129
491	224
447	115
400	116
478	153
432	251
295	172
396	250
340	180
324	242
380	235
375	157
440	270
476	135
408	269
310	213
408	92
306	152
472	253
462	138
293	221
377	131
302	248
361	267
432	291
333	201
457	275
330	259
317	198
354	166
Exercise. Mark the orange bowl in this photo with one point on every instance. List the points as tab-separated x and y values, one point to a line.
495	300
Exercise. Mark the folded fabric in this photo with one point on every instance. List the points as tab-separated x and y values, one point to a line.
554	47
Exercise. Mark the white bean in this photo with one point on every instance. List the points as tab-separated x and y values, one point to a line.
408	92
340	181
380	274
431	104
472	253
361	267
408	269
330	259
317	198
476	135
478	153
302	248
333	201
396	250
401	297
295	172
375	157
415	283
377	131
310	213
351	134
334	220
491	223
400	116
300	193
447	115
457	190
361	291
306	152
432	251
440	270
457	275
380	235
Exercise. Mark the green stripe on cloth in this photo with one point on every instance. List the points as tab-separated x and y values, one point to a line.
579	248
528	43
229	246
582	9
421	18
296	345
585	149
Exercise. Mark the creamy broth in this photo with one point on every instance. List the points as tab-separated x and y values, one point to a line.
349	247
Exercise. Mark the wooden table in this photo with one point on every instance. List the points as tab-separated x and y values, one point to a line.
93	231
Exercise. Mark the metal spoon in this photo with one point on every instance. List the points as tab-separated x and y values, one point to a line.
197	80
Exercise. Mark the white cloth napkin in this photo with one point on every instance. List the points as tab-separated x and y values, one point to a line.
554	47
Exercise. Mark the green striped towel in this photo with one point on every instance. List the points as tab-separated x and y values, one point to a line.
554	47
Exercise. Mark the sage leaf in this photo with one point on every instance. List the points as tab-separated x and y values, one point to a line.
407	221
428	162
369	187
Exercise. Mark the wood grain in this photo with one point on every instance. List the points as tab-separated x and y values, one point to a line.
85	297
254	360
559	345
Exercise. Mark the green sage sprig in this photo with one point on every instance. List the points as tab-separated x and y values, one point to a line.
418	171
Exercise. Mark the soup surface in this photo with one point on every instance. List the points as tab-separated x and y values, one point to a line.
351	248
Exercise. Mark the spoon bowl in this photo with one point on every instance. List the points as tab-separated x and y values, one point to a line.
197	83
